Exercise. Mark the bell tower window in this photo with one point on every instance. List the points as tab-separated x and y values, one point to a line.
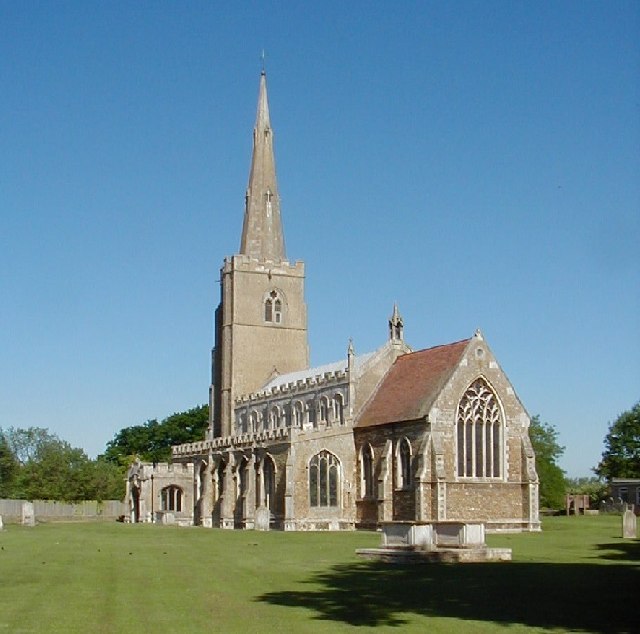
273	308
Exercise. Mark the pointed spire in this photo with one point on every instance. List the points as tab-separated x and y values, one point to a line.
396	325
262	236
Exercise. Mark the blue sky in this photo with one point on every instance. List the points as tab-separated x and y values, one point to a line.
477	162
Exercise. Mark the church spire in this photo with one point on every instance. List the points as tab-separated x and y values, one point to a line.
262	236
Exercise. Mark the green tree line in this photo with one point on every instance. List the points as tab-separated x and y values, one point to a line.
36	464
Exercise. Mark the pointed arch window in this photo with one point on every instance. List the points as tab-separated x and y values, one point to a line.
273	308
298	414
366	471
480	432
403	464
324	480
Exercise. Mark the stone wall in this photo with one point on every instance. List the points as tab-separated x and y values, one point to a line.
51	510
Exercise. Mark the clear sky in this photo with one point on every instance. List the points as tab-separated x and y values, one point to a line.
477	162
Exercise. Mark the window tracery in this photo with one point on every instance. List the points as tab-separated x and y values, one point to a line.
324	479
479	433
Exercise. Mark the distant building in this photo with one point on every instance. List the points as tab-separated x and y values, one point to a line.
626	490
395	434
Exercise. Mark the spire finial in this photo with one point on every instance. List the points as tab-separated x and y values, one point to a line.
396	325
263	71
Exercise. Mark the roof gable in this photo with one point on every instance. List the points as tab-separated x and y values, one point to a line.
412	384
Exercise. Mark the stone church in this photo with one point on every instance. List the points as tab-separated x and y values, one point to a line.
396	434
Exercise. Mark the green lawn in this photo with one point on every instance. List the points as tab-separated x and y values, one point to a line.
577	575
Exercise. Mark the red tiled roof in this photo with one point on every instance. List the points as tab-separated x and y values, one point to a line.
412	384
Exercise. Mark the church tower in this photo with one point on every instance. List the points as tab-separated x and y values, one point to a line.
261	321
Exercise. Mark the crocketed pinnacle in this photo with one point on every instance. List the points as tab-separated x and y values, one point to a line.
262	236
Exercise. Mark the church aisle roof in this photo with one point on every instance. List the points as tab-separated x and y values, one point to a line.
302	375
412	384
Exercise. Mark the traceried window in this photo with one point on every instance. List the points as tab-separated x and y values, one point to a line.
298	414
171	499
324	479
479	433
403	464
366	471
273	308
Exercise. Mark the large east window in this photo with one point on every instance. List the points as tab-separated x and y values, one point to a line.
324	478
479	433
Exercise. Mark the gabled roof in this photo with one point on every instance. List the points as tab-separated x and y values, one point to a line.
412	384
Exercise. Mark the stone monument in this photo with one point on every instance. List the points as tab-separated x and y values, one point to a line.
28	514
629	523
263	515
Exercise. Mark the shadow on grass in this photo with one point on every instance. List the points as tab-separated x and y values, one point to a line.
576	597
621	550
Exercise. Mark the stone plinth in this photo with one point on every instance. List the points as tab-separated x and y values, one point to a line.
404	542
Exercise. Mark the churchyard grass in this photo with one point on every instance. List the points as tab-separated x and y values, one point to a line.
577	575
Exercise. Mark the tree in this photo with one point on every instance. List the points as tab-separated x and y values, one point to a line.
153	440
8	468
621	455
48	468
544	438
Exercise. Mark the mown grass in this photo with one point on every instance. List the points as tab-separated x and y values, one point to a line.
577	575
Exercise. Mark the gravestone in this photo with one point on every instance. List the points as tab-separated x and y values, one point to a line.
629	523
28	514
262	518
1	524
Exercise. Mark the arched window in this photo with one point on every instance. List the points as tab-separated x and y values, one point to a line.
220	474
479	433
403	464
242	423
254	420
273	308
324	480
324	409
266	483
367	489
338	409
311	412
274	417
171	498
298	413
